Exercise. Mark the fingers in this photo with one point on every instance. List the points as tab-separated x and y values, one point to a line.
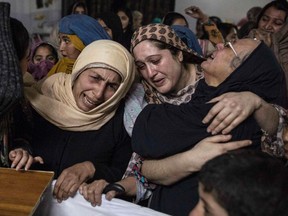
225	122
93	192
28	163
218	138
69	182
227	113
38	159
81	188
57	187
110	195
193	11
12	155
21	157
236	145
212	113
64	190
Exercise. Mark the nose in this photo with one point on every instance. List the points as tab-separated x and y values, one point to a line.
268	25
151	71
62	46
99	92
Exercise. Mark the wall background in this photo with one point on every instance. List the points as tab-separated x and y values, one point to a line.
227	10
41	20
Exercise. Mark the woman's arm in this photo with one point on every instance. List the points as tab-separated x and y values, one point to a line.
172	169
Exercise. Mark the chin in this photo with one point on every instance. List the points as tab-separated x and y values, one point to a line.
163	90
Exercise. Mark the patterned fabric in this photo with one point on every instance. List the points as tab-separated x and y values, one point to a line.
11	80
10	73
274	145
167	35
213	32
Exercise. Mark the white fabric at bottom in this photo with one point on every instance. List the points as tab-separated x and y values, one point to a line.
79	206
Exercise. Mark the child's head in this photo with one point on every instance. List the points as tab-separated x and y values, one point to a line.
43	57
243	183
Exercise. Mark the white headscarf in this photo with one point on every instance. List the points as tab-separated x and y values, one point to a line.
53	99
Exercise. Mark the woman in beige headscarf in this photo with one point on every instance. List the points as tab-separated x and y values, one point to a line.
78	118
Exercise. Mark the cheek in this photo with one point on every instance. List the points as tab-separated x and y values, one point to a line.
36	61
72	52
109	94
125	23
277	27
261	24
110	33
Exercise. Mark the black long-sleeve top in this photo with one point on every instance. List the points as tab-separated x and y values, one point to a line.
108	148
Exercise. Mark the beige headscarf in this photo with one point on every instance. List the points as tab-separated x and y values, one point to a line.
53	99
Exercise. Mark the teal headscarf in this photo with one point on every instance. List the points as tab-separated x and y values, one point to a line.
85	27
188	37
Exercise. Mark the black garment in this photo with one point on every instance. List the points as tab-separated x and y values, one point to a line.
165	129
11	87
127	39
108	148
113	22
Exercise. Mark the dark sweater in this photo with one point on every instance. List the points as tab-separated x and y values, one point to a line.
109	148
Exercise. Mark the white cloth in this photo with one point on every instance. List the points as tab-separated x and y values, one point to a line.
79	206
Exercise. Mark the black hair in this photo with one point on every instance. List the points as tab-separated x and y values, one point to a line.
215	19
48	46
128	13
225	28
78	4
20	37
170	17
247	182
278	4
113	22
253	13
246	28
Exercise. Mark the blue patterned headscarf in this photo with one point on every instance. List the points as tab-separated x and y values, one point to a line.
188	37
85	27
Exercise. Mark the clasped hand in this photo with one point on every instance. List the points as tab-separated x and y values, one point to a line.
230	110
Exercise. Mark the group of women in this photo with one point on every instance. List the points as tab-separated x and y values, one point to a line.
84	120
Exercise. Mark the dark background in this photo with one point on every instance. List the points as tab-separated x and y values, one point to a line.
149	8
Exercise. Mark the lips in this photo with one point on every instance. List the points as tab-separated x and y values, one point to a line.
158	82
88	102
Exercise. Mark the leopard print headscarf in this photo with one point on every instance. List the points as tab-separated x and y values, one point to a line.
167	35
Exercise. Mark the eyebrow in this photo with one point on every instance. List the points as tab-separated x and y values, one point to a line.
283	20
108	81
147	58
